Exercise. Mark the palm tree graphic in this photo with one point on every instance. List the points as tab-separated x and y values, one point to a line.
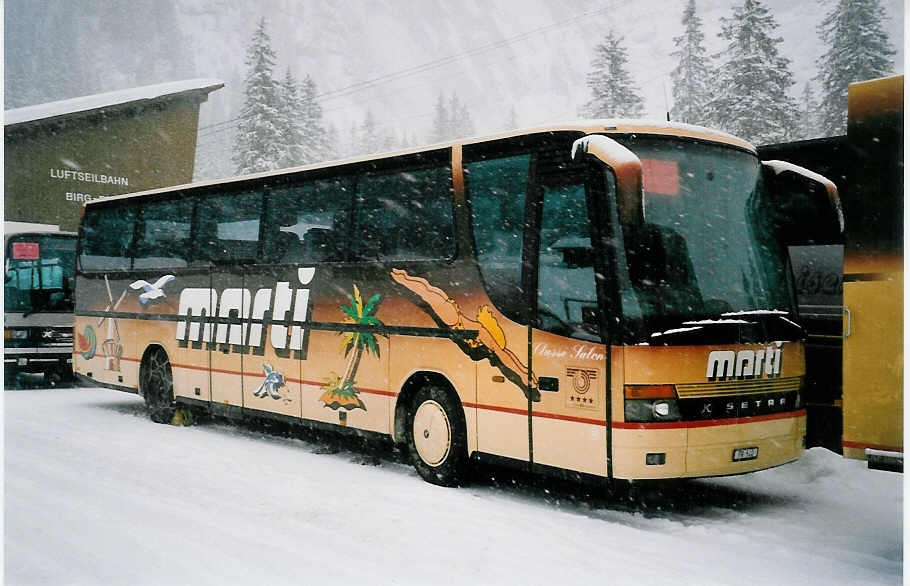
341	391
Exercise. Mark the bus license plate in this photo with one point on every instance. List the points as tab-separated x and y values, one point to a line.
741	454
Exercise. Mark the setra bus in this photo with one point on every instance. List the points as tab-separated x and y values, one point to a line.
38	302
603	298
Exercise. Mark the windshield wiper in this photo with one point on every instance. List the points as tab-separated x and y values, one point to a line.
780	314
34	309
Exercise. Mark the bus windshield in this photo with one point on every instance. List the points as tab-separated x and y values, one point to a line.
701	258
39	273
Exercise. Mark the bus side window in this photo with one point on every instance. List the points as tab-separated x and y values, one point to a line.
228	227
307	222
405	215
164	231
106	236
496	190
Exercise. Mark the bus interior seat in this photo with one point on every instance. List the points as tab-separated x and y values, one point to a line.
319	244
285	248
661	271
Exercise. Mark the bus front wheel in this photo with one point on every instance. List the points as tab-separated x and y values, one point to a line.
158	386
436	435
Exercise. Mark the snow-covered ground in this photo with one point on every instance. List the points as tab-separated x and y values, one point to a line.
95	493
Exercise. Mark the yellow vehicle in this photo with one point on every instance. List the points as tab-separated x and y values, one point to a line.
605	298
874	276
851	295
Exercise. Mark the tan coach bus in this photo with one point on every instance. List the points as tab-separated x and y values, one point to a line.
608	298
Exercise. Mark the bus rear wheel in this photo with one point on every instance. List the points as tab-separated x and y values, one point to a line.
436	435
157	386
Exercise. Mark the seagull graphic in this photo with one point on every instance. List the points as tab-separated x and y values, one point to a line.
153	291
273	380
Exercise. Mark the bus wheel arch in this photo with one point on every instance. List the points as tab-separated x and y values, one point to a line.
156	384
430	420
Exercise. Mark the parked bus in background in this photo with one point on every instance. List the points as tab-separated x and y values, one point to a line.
38	302
604	298
852	295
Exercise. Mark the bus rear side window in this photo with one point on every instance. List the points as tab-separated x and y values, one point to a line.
106	236
164	232
229	227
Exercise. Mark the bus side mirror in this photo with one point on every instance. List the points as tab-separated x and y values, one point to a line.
805	206
626	167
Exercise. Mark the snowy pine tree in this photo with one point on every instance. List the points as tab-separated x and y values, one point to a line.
511	119
442	126
316	146
370	137
858	50
258	144
691	77
808	125
459	118
752	98
615	94
332	143
452	120
291	131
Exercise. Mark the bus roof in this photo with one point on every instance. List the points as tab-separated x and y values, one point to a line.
594	126
11	228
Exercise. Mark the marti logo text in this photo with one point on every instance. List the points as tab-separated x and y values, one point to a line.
287	305
728	364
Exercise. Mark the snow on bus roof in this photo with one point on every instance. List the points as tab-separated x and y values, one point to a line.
588	126
106	100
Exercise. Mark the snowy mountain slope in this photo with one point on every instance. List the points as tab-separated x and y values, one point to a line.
540	69
391	57
97	494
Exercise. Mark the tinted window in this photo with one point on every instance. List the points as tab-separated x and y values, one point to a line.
496	190
566	299
163	234
39	272
106	236
228	227
404	215
308	222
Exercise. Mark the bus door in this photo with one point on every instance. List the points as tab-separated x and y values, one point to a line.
496	183
229	238
277	368
567	354
530	226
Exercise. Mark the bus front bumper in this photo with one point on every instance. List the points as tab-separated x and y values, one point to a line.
707	448
37	360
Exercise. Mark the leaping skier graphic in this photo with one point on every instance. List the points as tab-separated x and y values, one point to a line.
273	380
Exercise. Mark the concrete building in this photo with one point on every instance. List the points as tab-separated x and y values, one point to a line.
60	154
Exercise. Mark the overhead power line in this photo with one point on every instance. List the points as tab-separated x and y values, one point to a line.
429	65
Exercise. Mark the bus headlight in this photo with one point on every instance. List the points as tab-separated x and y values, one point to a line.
650	403
660	408
11	334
